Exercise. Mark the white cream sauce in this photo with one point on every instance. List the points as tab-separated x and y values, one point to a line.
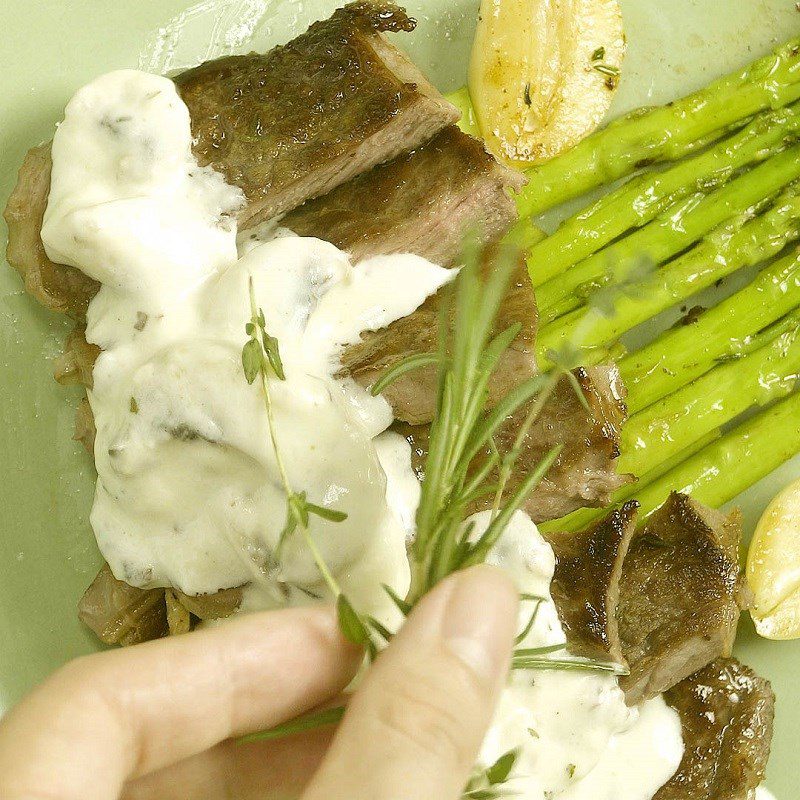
188	493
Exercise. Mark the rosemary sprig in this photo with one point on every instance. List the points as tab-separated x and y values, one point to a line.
308	722
260	358
467	356
520	660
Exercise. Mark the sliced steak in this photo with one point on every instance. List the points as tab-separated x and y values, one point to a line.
586	583
422	202
55	286
413	396
298	121
124	615
75	366
681	595
284	127
76	363
588	428
584	474
726	712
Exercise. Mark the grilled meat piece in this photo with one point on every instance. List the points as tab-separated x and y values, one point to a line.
76	363
55	286
219	605
584	472
422	202
413	396
75	366
726	712
285	126
298	121
85	430
681	595
124	615
586	583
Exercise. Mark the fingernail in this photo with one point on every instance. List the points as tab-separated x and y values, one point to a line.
480	620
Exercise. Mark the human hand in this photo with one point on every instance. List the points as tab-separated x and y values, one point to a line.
155	722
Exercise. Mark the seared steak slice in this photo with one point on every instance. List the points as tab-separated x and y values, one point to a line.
284	127
681	595
586	583
413	396
422	202
55	286
76	363
726	712
122	614
298	121
584	473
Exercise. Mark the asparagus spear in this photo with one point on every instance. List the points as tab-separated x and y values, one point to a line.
680	226
682	354
735	462
724	251
665	133
716	472
662	436
660	431
641	200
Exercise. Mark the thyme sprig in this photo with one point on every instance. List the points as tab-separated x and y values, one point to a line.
261	359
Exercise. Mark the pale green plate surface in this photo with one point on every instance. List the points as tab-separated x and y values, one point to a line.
49	48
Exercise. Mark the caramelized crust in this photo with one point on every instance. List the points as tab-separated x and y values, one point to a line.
726	713
298	121
586	583
681	595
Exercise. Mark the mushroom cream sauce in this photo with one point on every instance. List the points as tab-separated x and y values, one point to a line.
187	489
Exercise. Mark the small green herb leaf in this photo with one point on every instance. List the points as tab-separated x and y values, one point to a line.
273	353
351	624
380	629
606	69
501	769
599	54
329	514
402	605
299	507
405	365
252	360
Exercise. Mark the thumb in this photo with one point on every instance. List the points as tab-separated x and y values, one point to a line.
414	728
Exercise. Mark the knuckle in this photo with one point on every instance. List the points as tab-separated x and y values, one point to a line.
432	714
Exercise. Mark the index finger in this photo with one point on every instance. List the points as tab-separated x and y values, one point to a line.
109	717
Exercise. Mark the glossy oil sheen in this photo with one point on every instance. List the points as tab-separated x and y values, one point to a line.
47	553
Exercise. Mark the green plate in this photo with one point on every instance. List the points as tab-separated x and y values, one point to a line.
47	552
